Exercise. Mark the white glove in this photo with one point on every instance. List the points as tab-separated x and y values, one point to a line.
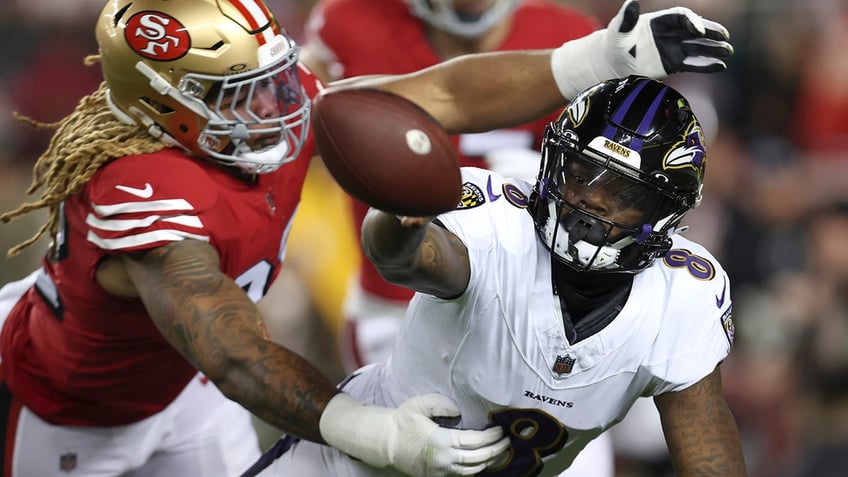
407	439
654	45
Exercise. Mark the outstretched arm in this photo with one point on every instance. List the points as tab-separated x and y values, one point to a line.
494	90
700	431
208	318
211	321
474	93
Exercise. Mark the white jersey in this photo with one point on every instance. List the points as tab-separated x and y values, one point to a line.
500	349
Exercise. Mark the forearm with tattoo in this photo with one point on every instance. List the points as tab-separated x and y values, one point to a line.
211	321
417	254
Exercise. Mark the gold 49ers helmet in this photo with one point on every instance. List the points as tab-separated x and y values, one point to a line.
216	77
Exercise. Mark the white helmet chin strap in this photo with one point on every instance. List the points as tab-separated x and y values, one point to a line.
601	257
263	161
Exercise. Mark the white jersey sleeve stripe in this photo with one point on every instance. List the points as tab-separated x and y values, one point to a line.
166	205
146	238
187	220
120	224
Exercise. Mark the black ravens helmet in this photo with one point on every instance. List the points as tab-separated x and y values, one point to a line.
621	166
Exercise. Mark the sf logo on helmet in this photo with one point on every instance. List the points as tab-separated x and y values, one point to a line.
157	36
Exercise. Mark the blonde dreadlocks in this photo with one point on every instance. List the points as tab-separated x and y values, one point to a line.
84	140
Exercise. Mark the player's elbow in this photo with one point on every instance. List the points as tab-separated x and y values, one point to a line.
233	369
235	378
426	280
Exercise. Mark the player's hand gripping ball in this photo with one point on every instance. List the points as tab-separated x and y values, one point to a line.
386	151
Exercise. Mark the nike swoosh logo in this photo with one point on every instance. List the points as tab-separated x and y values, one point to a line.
720	298
492	196
145	193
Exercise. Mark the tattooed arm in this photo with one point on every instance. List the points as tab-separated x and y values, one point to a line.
210	320
415	253
700	430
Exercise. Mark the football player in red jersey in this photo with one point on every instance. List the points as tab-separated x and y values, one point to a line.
170	191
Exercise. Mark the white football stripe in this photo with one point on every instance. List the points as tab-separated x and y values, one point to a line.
255	11
128	224
259	16
142	239
146	206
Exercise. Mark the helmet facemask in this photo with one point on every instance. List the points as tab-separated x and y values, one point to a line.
443	15
254	119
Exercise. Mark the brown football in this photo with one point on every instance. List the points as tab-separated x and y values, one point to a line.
386	151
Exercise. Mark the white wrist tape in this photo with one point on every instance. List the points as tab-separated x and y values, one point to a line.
356	428
408	439
580	63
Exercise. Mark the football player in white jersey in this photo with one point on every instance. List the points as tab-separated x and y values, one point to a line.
549	308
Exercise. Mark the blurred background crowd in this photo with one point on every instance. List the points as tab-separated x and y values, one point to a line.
775	210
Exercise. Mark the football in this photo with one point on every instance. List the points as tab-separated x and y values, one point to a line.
386	151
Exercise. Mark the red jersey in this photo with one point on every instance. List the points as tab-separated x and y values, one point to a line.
363	37
77	355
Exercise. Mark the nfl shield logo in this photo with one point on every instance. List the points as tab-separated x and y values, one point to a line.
563	364
68	462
